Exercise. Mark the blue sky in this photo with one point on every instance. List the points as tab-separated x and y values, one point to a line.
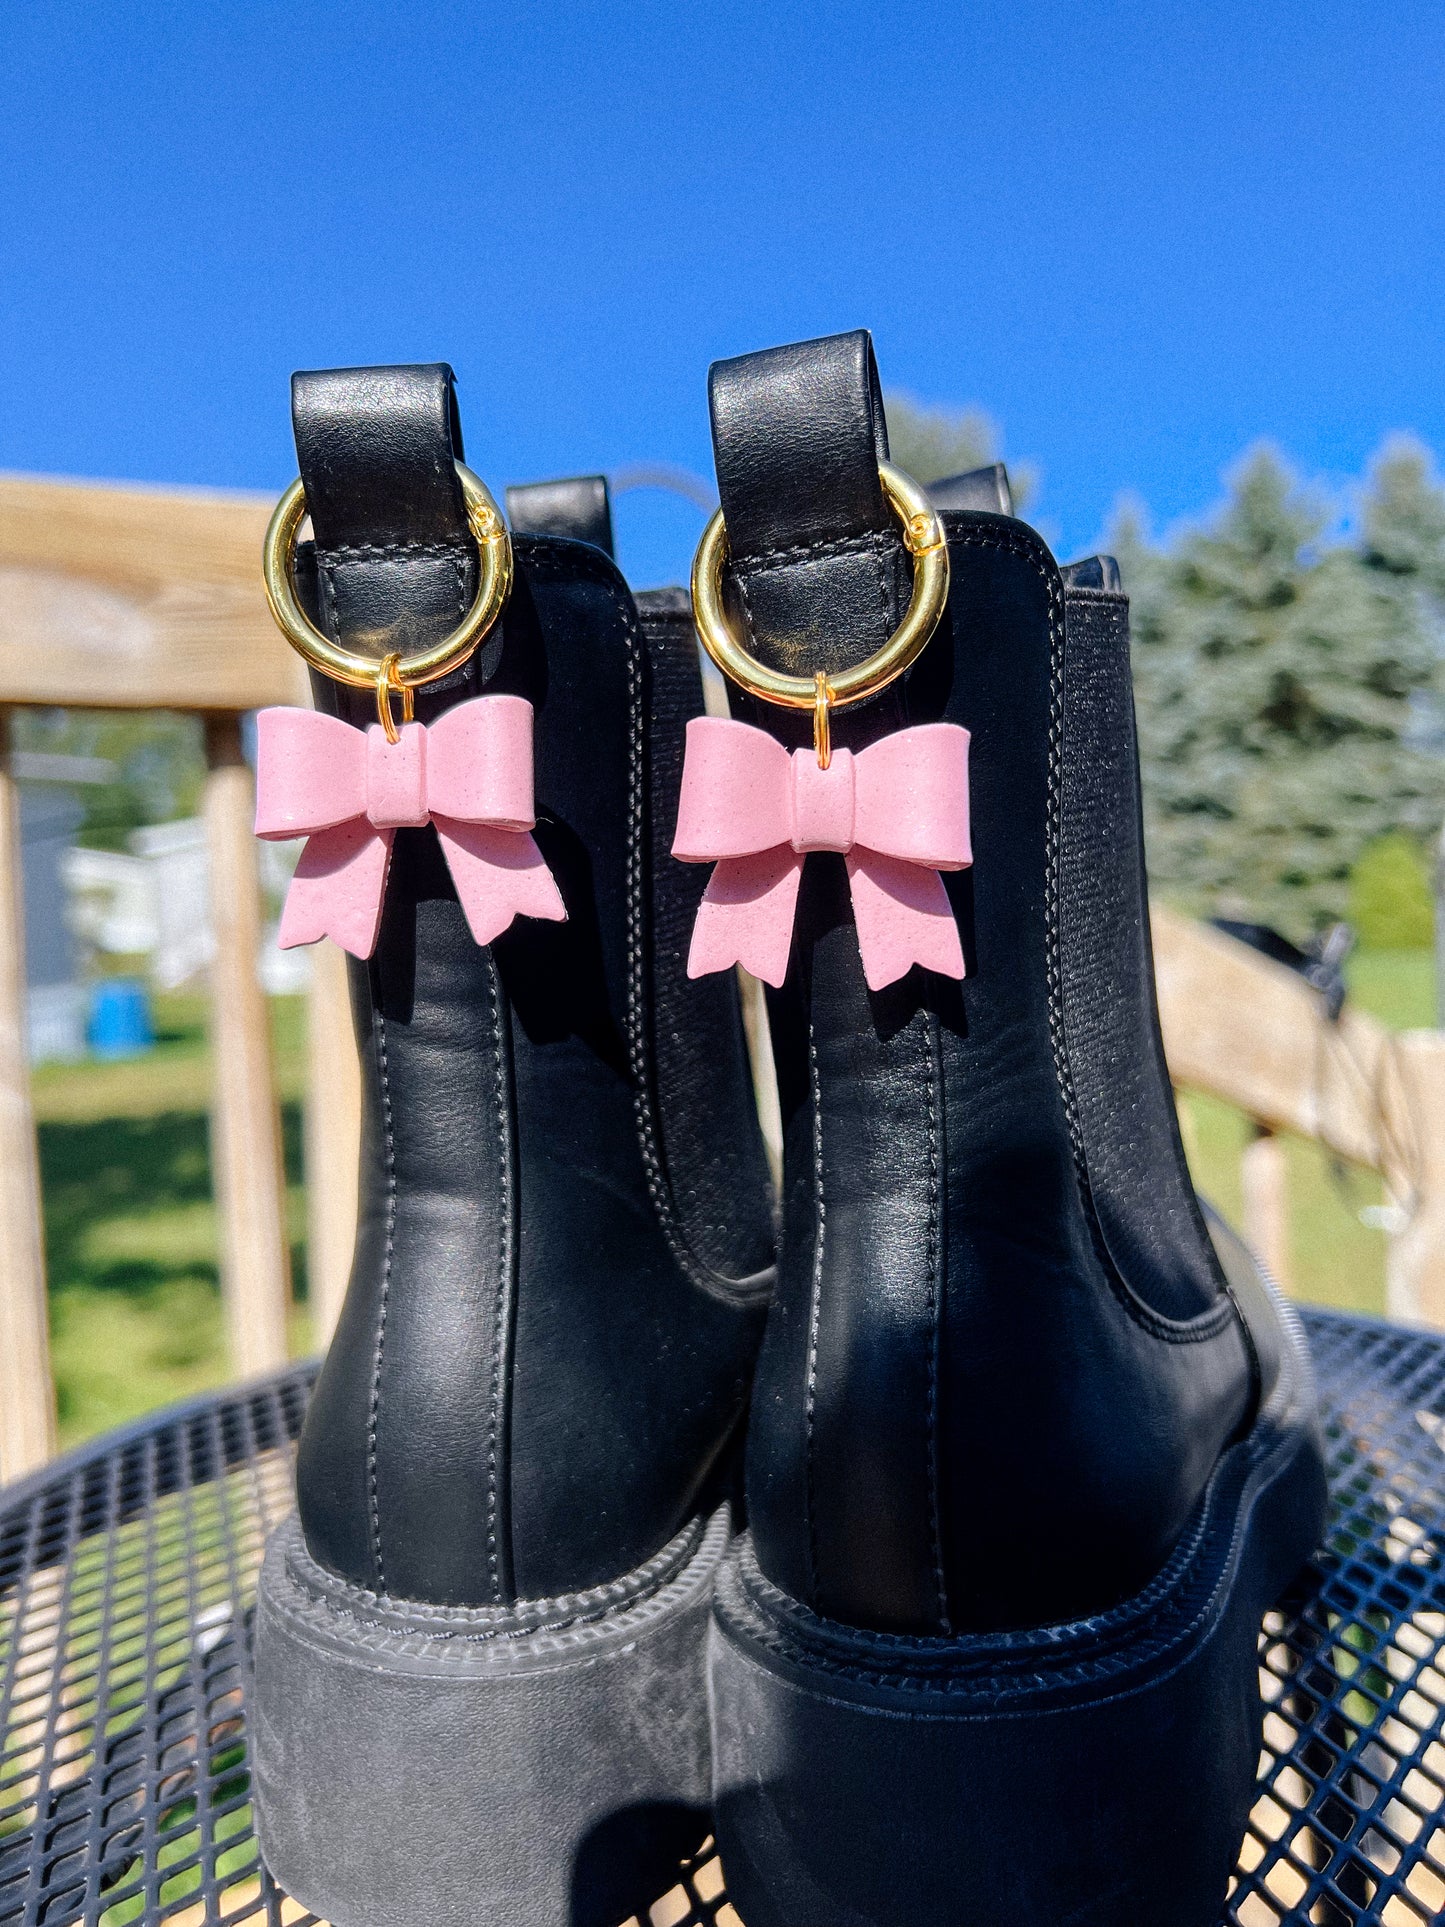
1139	236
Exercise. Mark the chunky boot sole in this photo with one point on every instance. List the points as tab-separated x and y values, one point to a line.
1099	1773
543	1764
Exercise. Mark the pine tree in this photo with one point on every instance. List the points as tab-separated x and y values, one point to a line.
1280	681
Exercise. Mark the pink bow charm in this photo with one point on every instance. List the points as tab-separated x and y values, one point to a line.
898	811
347	791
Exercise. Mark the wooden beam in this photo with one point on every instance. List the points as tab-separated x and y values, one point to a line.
333	1139
133	598
27	1392
1264	1182
1415	1262
1254	1033
245	1126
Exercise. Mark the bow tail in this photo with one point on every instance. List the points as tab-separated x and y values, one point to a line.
746	915
903	917
337	889
499	874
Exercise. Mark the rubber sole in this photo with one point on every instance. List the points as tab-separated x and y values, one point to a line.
542	1765
1098	1774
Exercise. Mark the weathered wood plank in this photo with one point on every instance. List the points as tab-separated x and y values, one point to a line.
1254	1033
245	1125
333	1139
1264	1181
27	1392
1415	1266
130	598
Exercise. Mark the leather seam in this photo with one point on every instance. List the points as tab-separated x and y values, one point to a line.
935	1528
1116	604
1159	1613
374	1414
1100	597
478	1623
499	1301
314	1620
760	560
815	1308
396	552
639	1052
740	577
461	1624
327	580
1168	1331
571	562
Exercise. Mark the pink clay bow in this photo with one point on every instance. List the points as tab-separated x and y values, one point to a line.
898	811
347	791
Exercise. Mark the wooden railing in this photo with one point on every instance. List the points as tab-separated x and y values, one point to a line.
1254	1033
126	598
143	599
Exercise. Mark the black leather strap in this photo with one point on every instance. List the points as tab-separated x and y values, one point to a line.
1093	572
818	570
976	488
378	447
577	508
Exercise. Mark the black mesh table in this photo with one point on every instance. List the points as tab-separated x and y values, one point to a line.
127	1572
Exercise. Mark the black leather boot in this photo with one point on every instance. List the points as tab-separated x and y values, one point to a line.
1032	1444
479	1646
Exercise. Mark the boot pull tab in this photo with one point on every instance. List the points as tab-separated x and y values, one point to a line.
817	576
409	571
577	507
839	575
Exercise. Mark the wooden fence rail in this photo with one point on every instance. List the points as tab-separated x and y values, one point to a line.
128	598
1256	1034
147	599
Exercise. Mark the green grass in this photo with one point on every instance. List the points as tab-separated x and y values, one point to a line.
1397	986
130	1227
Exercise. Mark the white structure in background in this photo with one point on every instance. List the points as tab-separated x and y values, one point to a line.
154	901
55	1003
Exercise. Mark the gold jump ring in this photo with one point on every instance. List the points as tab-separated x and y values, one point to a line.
923	538
494	582
388	679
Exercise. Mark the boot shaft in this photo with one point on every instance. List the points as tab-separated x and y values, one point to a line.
546	1342
1003	1357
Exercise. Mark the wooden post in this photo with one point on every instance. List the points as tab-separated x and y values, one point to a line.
333	1138
1265	1184
27	1391
1415	1258
245	1125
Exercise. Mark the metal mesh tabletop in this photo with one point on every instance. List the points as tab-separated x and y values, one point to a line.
127	1573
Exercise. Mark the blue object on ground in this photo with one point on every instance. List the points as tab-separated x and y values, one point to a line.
120	1018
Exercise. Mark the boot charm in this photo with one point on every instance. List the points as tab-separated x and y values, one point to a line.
348	791
897	812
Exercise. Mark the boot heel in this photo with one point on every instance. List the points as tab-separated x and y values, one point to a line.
425	1766
1099	1773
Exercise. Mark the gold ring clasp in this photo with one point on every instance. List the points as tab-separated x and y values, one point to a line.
924	539
822	728
494	583
388	679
